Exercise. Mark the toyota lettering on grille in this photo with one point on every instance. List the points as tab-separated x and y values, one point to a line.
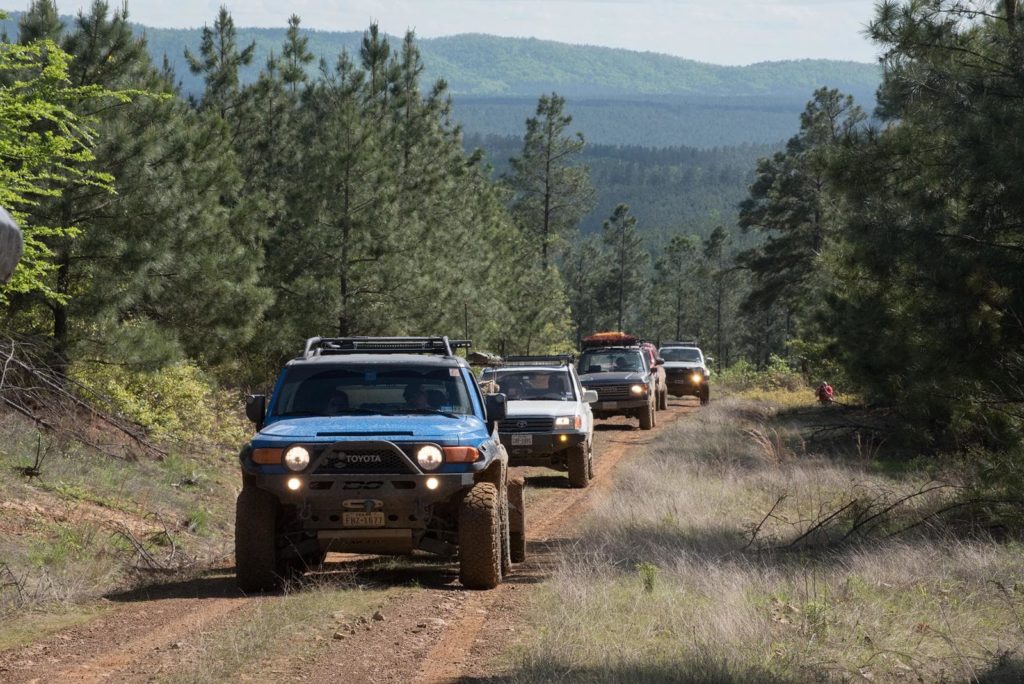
341	460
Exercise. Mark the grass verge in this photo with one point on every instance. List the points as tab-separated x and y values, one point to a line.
737	548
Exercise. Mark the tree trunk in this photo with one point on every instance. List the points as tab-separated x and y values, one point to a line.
10	246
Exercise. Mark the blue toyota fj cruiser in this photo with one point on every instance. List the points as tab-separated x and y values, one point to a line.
376	445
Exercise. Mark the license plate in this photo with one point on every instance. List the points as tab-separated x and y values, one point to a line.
609	404
522	440
363	519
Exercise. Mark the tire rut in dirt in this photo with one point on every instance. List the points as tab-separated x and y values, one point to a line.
517	518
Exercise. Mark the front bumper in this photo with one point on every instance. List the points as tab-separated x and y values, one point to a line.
541	448
686	387
622	407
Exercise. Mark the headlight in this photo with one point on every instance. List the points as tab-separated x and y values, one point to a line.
296	458
638	389
566	422
429	457
697	378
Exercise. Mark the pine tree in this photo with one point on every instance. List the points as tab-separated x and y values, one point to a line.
218	62
551	191
626	263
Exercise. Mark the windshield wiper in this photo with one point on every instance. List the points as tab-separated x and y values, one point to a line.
341	412
427	411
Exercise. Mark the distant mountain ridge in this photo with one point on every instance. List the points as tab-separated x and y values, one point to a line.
478	64
618	96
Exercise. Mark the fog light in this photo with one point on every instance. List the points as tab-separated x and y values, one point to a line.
563	438
433	483
696	377
294	483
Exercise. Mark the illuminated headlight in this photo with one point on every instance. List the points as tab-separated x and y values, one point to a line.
429	457
638	389
296	458
566	422
697	378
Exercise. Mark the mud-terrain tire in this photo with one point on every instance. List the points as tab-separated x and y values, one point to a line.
590	461
506	536
705	396
480	537
579	468
517	518
663	400
258	566
646	418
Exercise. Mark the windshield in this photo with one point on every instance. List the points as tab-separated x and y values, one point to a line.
613	360
532	385
681	354
361	390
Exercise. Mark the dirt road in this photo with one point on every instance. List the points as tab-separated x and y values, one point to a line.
431	631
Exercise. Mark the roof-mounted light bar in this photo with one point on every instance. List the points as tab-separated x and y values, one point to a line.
540	360
323	346
680	343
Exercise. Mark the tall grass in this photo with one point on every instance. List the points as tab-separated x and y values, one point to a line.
715	558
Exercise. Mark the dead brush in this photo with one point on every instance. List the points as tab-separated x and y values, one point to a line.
771	447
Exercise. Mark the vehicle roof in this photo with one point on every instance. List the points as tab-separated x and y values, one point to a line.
634	348
680	346
539	366
382	360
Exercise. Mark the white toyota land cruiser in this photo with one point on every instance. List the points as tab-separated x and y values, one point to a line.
548	420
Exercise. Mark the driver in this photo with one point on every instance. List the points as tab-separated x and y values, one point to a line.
416	396
337	403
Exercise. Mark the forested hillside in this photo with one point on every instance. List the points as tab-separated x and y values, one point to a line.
668	189
668	101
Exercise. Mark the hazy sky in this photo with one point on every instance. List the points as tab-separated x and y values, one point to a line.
719	31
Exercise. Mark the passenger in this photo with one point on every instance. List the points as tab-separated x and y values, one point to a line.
557	385
621	364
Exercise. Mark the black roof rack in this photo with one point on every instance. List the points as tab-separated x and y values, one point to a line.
540	360
680	343
322	346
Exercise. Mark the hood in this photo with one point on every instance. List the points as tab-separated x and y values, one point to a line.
392	428
594	379
685	365
541	408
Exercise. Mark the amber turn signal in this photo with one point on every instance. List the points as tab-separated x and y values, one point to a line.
267	456
461	455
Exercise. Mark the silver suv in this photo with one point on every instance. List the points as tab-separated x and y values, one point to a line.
686	370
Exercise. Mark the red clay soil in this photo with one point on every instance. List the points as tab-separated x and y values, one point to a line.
438	632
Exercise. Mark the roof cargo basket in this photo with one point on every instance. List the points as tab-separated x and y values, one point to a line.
541	360
610	339
323	346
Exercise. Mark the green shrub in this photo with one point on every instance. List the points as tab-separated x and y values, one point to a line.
743	375
178	402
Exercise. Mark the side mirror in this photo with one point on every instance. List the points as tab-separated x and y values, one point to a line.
590	396
659	361
256	408
709	359
496	406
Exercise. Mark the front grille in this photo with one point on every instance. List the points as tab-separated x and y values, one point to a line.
615	393
341	461
681	374
526	425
